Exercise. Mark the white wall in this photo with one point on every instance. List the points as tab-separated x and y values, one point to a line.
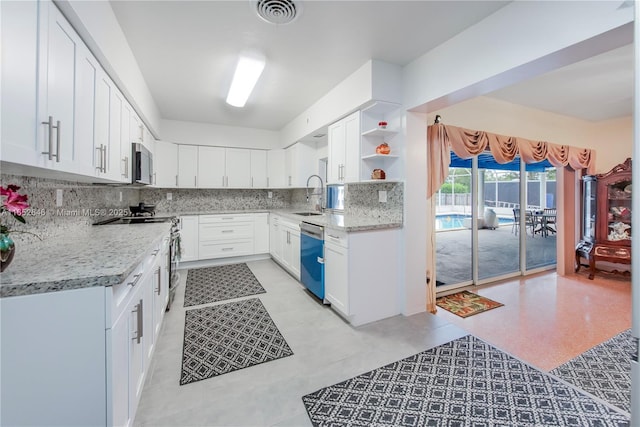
519	41
97	25
194	133
612	139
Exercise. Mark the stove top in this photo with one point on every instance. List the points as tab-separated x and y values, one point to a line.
135	220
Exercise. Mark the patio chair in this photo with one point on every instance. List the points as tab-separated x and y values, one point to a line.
528	222
550	219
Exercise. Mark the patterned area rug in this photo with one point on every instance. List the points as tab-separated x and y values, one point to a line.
220	283
604	370
465	303
465	382
228	337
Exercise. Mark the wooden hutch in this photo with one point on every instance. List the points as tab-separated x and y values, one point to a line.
610	220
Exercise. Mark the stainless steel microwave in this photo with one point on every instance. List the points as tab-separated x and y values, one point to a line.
142	167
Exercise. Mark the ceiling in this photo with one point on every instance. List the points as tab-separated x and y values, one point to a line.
187	51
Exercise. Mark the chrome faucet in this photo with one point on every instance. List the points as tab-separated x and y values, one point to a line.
319	205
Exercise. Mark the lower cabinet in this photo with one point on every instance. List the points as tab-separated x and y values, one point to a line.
204	237
285	243
82	355
189	238
362	274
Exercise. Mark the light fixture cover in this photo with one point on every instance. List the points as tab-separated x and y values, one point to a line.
248	70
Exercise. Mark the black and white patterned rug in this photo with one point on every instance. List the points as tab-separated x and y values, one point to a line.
212	284
604	370
228	337
465	382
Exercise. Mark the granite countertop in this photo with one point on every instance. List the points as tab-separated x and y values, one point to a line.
98	256
348	223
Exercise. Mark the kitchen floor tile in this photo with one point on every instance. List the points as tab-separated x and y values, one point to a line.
327	350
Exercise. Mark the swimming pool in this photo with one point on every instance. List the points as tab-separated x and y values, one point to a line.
453	221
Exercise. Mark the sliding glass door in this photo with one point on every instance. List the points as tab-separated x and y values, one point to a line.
494	221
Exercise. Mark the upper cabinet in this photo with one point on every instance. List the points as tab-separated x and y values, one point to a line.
187	166
276	177
300	162
344	150
259	169
165	164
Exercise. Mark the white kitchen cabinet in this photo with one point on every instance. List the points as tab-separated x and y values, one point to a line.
259	169
18	65
261	233
336	271
102	112
210	167
344	150
275	246
362	274
237	168
126	148
223	236
285	244
165	164
187	166
300	163
277	177
189	238
80	359
116	167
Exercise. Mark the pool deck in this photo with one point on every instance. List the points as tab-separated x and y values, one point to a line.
497	253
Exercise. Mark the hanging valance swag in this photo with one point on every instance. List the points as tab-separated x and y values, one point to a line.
441	139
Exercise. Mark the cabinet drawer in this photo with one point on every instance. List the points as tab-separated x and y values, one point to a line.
225	249
231	231
206	219
336	237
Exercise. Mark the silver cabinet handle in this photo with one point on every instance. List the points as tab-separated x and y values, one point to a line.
57	126
104	159
226	218
227	231
289	180
135	281
252	181
139	320
124	161
176	180
158	272
226	181
99	167
126	166
268	185
223	180
227	249
155	179
51	127
195	181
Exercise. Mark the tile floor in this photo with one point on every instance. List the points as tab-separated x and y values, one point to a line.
327	350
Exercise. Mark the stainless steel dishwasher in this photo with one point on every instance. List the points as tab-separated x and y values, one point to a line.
312	258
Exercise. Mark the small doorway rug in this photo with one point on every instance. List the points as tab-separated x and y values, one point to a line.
228	337
465	303
604	370
465	382
212	284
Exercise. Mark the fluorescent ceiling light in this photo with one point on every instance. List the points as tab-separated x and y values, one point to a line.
247	73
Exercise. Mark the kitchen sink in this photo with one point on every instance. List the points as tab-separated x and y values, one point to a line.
307	213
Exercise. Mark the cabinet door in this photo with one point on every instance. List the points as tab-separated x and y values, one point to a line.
276	169
60	49
336	286
102	112
336	148
165	163
189	238
152	276
275	245
211	170
119	370
294	252
259	169
351	169
237	168
136	347
19	37
115	169
86	77
187	166
261	243
126	148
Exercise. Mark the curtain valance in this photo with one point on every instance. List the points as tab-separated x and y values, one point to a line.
441	139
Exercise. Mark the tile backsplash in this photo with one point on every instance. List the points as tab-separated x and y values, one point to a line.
83	204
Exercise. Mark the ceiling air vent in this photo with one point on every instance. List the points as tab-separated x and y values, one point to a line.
278	12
